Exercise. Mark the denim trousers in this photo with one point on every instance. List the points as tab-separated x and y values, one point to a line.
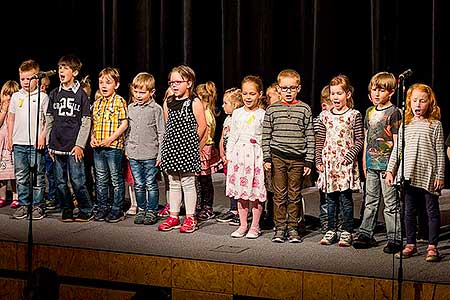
24	159
66	166
413	196
108	169
287	179
145	183
376	189
49	172
344	201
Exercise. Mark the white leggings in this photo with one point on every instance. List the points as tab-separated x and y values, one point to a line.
177	182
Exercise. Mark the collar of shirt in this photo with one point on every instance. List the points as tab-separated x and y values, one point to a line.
76	85
22	91
293	102
135	103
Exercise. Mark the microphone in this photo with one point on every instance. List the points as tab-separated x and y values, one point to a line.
43	74
405	74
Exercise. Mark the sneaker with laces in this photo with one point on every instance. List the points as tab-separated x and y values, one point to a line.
189	225
38	213
21	212
329	238
345	239
391	247
150	218
363	241
114	216
169	224
67	215
279	236
14	204
101	214
139	218
164	212
235	221
226	216
84	216
206	214
293	236
51	204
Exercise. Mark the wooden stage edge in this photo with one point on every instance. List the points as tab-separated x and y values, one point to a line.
84	273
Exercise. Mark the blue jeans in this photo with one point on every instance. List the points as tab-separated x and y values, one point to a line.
24	158
66	165
145	184
108	165
345	200
49	171
375	188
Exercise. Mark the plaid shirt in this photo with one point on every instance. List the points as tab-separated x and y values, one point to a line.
107	114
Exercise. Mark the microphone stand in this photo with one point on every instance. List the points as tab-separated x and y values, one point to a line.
401	104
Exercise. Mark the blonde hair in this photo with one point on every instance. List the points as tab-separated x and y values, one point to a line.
144	80
85	84
344	82
234	95
9	88
289	73
433	111
207	92
29	65
325	95
167	94
383	80
256	80
188	74
111	72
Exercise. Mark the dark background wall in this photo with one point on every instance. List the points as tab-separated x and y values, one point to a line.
224	40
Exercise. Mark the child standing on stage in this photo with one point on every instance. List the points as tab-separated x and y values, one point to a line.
339	139
381	127
142	146
424	166
245	173
22	128
232	99
209	156
288	146
68	124
6	158
180	152
110	120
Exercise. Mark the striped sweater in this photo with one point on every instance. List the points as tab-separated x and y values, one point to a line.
424	154
288	132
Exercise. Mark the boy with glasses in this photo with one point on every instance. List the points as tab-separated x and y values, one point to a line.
288	149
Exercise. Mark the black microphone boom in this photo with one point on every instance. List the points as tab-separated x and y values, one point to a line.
405	74
43	74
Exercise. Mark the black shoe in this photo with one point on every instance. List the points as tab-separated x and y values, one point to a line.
279	236
392	247
115	216
226	217
139	217
67	215
100	215
84	217
150	218
235	221
51	204
364	242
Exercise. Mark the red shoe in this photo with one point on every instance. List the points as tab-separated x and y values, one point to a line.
14	204
165	211
189	225
169	224
2	202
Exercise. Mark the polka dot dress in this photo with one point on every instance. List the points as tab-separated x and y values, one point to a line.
180	147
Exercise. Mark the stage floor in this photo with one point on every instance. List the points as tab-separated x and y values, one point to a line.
212	242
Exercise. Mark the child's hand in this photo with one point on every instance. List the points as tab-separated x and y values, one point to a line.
41	142
389	179
267	166
106	142
224	159
9	145
94	142
158	163
320	167
52	156
438	185
77	151
306	171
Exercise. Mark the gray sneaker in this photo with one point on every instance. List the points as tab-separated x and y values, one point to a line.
38	213
293	236
140	215
20	213
279	236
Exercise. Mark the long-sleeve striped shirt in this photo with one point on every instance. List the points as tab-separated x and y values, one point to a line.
424	154
288	132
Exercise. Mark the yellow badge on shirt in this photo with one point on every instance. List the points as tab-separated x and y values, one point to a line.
250	119
20	102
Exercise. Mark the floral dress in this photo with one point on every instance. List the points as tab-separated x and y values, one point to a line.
6	157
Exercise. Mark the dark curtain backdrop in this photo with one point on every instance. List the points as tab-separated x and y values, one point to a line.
224	40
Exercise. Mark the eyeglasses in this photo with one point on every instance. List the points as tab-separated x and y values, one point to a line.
176	82
288	88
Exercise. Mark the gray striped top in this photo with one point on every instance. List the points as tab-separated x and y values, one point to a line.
424	154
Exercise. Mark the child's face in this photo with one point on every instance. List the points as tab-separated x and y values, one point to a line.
5	98
379	95
25	82
273	96
288	88
250	95
107	85
142	95
339	97
419	103
227	106
179	85
326	106
66	75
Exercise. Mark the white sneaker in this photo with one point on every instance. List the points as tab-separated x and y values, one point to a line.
239	233
132	211
329	238
346	239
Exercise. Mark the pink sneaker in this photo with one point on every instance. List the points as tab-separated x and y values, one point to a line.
189	225
165	211
14	204
169	224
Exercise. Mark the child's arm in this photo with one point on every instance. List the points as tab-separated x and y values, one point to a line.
440	159
266	138
321	134
222	149
116	134
310	143
10	122
351	155
448	152
160	129
199	113
364	162
3	111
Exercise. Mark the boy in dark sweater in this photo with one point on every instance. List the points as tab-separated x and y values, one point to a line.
288	149
68	124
